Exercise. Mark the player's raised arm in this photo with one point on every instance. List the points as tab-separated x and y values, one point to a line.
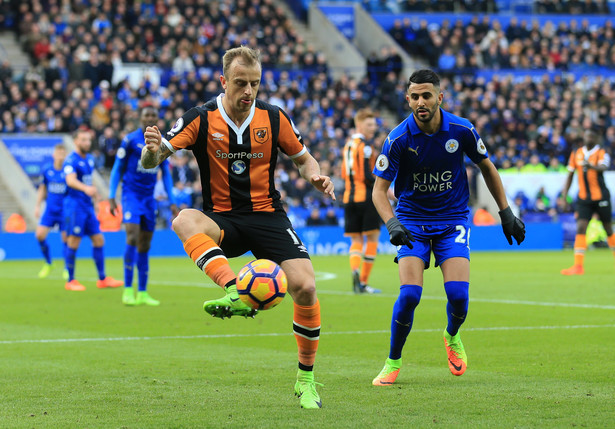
154	152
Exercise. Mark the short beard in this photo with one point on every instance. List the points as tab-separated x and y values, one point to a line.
429	118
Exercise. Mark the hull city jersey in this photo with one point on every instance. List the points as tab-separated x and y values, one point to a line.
429	172
357	164
237	164
591	182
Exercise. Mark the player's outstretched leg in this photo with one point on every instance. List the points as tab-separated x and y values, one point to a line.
389	373
305	390
457	358
229	305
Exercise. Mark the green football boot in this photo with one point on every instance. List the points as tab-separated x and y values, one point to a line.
128	297
44	272
389	373
305	390
457	358
143	298
229	305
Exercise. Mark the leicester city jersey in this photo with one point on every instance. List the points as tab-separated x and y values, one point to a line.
55	182
136	180
84	168
429	171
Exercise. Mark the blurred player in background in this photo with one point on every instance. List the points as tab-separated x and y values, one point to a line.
79	216
51	190
138	205
590	162
236	140
424	155
361	220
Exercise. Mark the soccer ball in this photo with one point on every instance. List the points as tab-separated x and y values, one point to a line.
261	284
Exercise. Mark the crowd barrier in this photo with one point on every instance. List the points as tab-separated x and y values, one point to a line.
323	240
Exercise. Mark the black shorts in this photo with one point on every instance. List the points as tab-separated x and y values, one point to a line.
361	217
266	235
586	209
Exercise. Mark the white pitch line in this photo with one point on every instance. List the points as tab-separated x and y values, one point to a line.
279	334
321	276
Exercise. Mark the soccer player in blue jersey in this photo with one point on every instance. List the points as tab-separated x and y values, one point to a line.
51	190
79	216
424	157
138	205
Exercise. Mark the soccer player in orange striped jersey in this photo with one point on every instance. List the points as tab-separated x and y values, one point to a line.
236	140
589	161
361	220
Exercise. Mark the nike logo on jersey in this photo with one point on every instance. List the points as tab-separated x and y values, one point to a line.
416	151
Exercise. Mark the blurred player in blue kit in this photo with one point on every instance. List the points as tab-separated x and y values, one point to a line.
79	216
138	205
424	156
51	190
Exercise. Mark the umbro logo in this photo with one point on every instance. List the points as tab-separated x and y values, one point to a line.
218	136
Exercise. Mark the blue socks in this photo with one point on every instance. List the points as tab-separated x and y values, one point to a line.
70	262
45	250
403	316
129	263
457	306
143	267
99	260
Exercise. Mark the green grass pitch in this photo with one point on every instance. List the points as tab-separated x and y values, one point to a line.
540	351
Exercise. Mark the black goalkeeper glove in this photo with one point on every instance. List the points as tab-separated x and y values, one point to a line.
399	234
512	226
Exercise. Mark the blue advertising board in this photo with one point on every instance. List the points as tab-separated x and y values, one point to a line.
342	17
322	240
33	153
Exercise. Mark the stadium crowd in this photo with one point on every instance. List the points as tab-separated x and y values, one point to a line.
572	7
75	48
484	43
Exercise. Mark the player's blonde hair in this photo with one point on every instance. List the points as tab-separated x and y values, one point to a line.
249	55
363	114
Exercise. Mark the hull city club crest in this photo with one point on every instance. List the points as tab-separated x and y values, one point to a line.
261	135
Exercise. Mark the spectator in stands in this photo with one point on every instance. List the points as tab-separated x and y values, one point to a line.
534	165
15	223
542	202
314	219
482	217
